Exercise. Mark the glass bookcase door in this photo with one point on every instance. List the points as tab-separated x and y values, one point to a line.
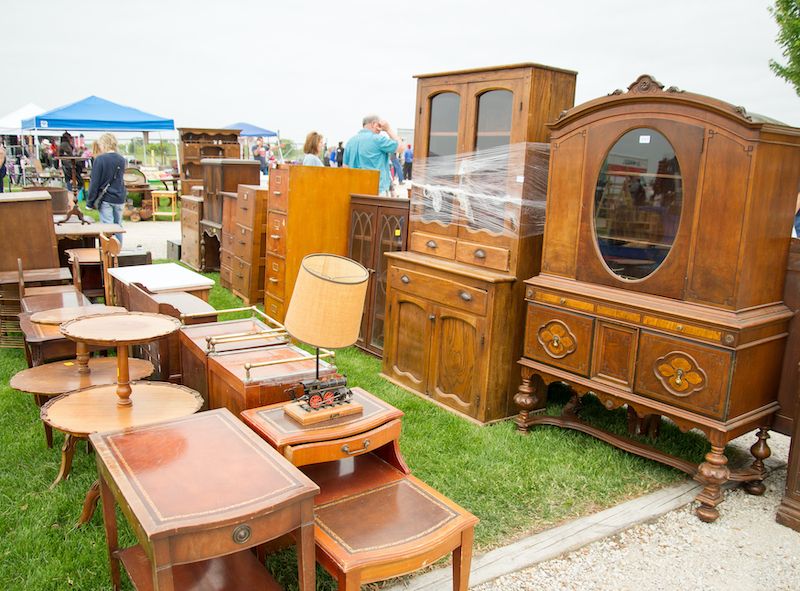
637	204
493	120
443	128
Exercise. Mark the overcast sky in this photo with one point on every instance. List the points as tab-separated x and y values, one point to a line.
296	66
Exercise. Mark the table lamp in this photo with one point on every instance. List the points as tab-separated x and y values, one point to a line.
326	308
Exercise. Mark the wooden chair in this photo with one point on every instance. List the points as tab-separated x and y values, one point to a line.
173	200
110	248
87	270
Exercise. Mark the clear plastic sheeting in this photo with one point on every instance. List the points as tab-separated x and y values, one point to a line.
500	190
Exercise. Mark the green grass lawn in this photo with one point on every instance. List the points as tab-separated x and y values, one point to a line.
515	484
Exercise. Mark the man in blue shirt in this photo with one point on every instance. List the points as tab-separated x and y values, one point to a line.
408	160
370	149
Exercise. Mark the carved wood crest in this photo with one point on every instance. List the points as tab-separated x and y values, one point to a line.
556	339
680	374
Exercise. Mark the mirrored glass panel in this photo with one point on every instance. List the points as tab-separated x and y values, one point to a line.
637	204
443	136
494	119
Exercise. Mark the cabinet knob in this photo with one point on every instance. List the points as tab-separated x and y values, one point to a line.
679	327
432	317
241	534
405	279
278	193
431	244
242	242
480	253
467	297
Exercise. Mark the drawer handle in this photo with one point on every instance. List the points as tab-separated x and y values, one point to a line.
346	448
275	236
242	242
467	297
431	244
273	280
240	276
241	534
278	193
405	279
480	254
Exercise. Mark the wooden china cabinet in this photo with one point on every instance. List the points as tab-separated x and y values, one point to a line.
455	300
668	225
198	143
377	225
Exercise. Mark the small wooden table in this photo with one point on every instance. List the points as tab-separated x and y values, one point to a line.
373	519
164	278
199	492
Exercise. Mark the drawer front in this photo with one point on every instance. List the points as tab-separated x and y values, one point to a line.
432	244
278	189
228	241
246	205
339	449
241	276
491	257
225	276
276	277
441	290
276	233
191	150
683	374
559	338
243	242
191	205
226	258
273	307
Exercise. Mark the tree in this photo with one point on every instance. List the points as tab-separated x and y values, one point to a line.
787	15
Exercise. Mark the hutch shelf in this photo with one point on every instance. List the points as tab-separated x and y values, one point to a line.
665	254
198	143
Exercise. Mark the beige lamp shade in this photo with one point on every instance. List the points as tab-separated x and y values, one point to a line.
327	301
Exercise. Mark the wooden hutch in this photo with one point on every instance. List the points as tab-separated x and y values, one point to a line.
665	250
198	143
455	300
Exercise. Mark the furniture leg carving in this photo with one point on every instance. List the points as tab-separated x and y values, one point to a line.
82	355
67	453
713	473
760	452
89	504
531	397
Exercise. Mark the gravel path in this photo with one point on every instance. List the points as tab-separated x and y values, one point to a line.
744	549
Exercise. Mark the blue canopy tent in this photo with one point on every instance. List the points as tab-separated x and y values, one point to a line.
250	130
97	114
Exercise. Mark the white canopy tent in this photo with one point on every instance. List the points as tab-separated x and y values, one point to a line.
11	124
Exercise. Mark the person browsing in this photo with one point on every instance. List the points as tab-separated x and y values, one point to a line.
313	147
370	149
107	191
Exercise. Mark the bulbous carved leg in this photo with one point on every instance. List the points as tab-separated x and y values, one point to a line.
761	452
713	473
530	396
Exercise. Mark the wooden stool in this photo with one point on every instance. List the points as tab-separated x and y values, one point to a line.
173	198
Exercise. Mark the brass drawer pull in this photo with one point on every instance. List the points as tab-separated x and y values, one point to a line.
467	297
405	279
278	193
275	236
431	244
480	254
242	242
241	534
273	280
346	448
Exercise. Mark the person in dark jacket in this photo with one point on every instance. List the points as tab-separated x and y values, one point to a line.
107	192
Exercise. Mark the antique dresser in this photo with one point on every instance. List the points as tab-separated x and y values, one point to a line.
191	213
198	143
308	208
454	300
377	225
248	241
665	251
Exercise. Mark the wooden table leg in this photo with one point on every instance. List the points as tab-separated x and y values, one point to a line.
48	430
67	452
89	504
306	560
462	559
123	376
82	355
110	524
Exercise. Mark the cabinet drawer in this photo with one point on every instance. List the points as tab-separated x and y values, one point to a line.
191	205
559	338
339	449
228	241
243	242
273	307
276	277
241	276
246	205
441	290
276	233
482	255
683	374
432	244
225	276
191	150
278	189
226	258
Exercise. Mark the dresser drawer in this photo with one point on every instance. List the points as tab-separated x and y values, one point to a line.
683	374
432	244
276	233
243	242
491	257
273	307
228	241
246	205
443	291
559	338
276	276
225	276
278	189
226	258
241	276
191	205
339	449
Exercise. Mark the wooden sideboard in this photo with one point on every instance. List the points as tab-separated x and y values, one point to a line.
665	252
198	143
248	238
455	299
308	211
377	225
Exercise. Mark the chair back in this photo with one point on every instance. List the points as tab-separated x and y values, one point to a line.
109	249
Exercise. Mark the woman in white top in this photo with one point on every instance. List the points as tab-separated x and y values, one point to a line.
312	149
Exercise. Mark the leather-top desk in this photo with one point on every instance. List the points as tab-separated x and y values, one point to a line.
199	492
373	519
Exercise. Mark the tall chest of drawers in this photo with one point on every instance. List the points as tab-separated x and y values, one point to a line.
308	212
191	212
247	236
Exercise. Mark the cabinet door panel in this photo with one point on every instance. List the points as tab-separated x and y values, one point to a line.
392	229
361	248
456	375
409	343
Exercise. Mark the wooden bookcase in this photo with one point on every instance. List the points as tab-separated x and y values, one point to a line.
197	143
665	253
377	225
455	299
